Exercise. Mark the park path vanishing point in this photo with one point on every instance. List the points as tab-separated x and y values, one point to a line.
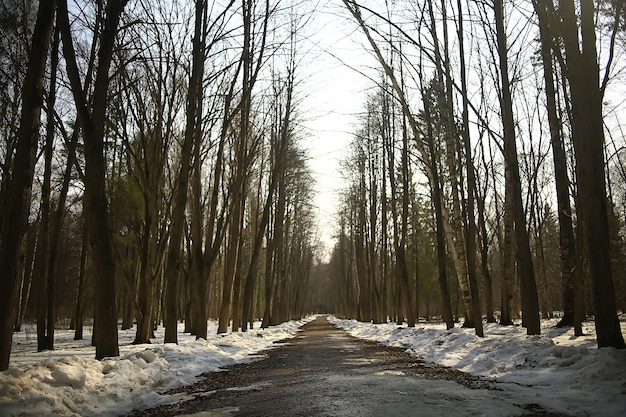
324	371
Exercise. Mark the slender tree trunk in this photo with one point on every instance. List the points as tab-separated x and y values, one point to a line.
588	137
567	242
146	294
15	212
485	242
530	301
277	172
435	190
236	300
233	253
197	246
214	232
275	255
45	278
508	256
471	233
354	9
80	293
454	223
484	260
401	247
194	96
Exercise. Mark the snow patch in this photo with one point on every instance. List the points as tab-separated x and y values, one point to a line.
566	374
69	382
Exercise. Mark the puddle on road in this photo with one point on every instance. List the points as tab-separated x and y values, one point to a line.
218	412
390	372
360	361
350	349
252	387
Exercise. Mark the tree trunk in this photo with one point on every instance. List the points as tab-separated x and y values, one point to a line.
588	137
530	300
454	223
214	233
484	259
471	234
92	116
435	190
80	293
567	243
401	247
508	256
194	96
15	212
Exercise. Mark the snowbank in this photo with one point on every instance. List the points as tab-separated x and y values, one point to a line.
564	373
69	382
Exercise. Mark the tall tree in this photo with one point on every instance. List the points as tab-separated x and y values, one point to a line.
44	258
252	61
567	241
355	10
15	211
238	184
193	118
530	300
583	75
92	118
470	233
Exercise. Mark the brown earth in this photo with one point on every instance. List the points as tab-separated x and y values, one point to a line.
323	371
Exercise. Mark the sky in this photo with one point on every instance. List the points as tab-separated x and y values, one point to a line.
334	88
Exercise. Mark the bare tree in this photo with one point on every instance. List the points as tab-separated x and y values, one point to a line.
92	116
588	136
530	302
14	216
193	118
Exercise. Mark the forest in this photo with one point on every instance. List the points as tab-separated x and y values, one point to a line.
154	167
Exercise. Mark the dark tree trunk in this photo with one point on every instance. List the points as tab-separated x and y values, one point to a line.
588	136
173	265
435	190
528	285
15	212
80	294
92	117
53	223
567	242
471	234
508	256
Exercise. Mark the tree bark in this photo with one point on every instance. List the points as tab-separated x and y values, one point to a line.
471	234
435	190
193	117
92	117
588	136
15	212
508	255
567	243
530	300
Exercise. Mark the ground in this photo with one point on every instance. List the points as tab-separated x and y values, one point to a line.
324	371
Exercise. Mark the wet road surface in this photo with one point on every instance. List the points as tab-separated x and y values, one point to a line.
326	372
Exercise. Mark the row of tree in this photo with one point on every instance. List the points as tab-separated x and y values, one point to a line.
450	173
151	167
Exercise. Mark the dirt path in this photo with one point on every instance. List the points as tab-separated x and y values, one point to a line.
326	372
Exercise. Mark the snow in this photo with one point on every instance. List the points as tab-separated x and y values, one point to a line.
556	370
69	382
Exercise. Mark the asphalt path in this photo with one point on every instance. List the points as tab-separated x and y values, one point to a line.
324	371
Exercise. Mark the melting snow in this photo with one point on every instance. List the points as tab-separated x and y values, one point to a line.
556	370
560	372
69	382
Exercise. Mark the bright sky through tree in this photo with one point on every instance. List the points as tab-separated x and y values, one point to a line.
335	86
